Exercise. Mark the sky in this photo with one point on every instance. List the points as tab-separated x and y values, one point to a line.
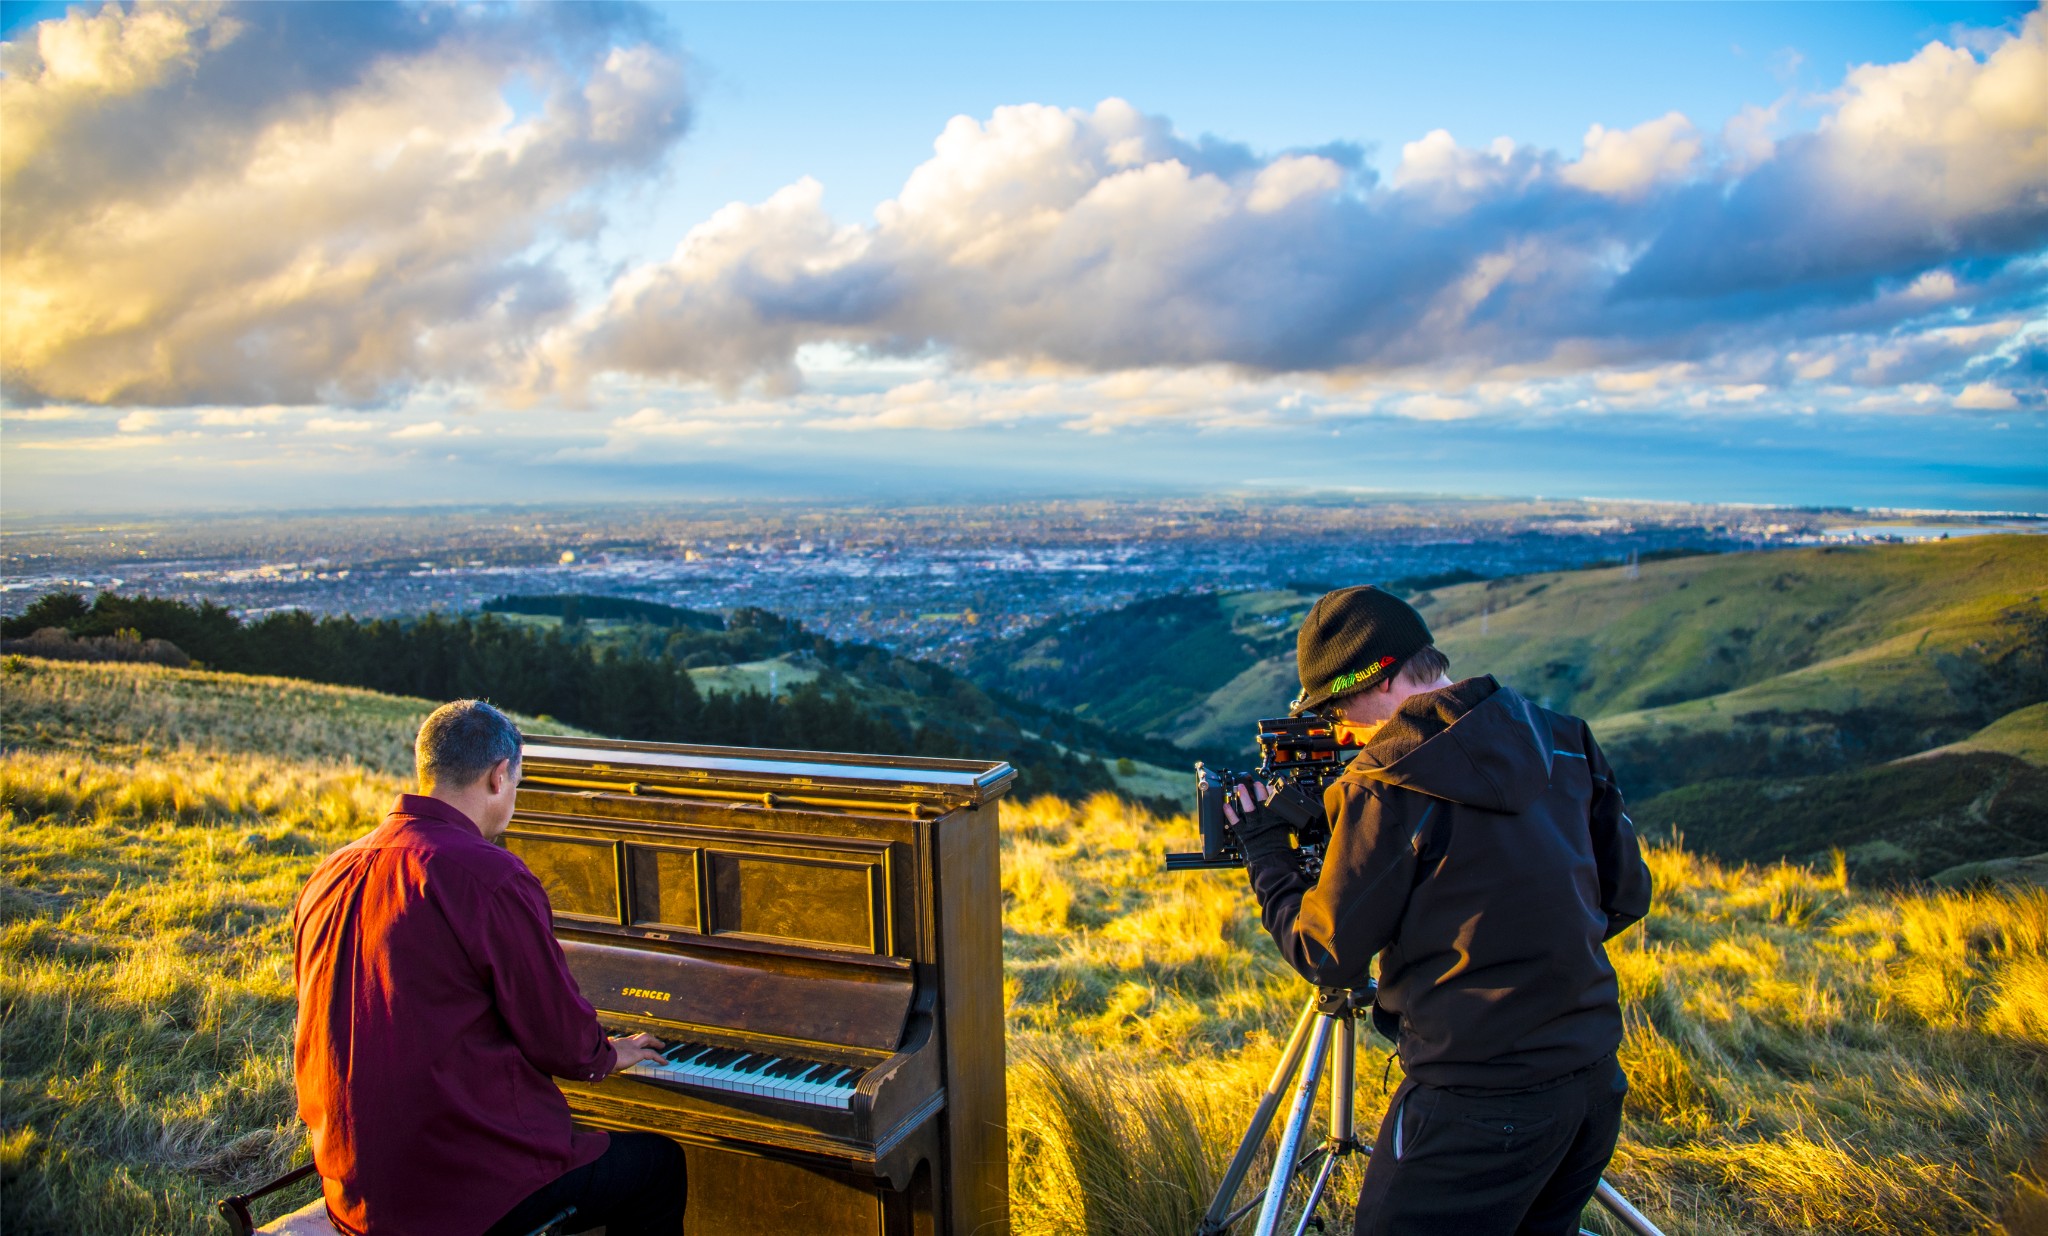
303	255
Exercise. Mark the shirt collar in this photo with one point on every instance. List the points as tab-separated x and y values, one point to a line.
423	807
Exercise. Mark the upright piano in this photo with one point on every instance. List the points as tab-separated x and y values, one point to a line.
819	938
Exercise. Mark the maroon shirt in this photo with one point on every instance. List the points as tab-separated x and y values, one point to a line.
433	1006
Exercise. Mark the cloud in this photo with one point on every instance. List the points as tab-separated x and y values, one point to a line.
1628	163
1983	396
302	208
1942	158
1099	240
340	425
258	203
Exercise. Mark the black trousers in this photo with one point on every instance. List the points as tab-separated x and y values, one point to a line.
1461	1162
635	1188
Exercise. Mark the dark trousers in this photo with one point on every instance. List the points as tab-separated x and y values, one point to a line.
635	1188
1462	1162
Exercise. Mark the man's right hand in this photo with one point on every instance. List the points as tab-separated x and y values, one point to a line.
632	1049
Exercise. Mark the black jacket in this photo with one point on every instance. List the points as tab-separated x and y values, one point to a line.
1478	844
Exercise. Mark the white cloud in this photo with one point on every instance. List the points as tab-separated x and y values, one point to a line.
1435	408
1065	241
337	230
338	425
1287	180
1984	396
241	417
1627	163
137	422
211	203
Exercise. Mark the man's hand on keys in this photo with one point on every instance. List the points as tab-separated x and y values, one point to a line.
634	1048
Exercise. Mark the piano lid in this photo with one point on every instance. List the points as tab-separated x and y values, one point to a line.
967	781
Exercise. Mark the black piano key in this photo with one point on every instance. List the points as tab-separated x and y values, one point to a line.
718	1057
790	1068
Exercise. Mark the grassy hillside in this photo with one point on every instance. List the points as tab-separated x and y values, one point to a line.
2021	733
1801	671
1806	1055
1152	666
118	712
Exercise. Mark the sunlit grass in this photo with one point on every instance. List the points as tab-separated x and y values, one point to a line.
1806	1055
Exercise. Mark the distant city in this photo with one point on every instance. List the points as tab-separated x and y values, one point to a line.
925	581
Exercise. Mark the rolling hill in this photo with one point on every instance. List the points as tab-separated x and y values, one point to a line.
1702	675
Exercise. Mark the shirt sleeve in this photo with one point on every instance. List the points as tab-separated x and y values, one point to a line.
1331	930
553	1025
1624	876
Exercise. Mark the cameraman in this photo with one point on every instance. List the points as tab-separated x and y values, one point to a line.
1478	845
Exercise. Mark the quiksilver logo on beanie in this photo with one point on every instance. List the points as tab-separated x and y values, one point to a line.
1344	682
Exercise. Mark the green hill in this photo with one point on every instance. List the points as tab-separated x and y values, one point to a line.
1700	674
1151	667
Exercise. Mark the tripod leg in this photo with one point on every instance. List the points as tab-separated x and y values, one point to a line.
1297	1125
1344	1080
1343	1096
1315	1195
1618	1206
1262	1119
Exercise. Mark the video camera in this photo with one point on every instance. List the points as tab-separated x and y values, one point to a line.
1298	758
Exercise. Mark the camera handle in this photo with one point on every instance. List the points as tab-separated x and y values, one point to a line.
1327	1029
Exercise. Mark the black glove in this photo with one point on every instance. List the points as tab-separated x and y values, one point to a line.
1265	818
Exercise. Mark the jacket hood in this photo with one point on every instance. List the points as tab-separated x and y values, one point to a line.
1474	742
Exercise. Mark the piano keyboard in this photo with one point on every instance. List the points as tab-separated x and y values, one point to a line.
775	1077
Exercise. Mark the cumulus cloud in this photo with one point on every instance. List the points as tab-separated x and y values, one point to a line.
1628	163
1099	240
284	206
253	203
1983	396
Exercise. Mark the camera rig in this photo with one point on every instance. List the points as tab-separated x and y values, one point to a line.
1298	758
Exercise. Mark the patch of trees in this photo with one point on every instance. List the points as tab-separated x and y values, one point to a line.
632	682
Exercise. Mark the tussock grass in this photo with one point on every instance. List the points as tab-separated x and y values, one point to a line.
145	977
1806	1054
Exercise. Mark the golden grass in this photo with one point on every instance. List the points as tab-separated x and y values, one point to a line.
1806	1055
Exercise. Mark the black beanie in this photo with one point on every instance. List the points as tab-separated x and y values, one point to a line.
1353	637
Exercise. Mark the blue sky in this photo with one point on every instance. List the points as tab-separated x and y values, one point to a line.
306	255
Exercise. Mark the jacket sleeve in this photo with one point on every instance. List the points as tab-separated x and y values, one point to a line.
553	1025
1624	876
1331	930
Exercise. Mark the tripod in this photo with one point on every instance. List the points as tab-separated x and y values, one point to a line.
1326	1030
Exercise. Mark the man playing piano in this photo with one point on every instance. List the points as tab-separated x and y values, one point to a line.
434	1005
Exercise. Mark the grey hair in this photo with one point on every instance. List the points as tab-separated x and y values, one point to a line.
461	742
